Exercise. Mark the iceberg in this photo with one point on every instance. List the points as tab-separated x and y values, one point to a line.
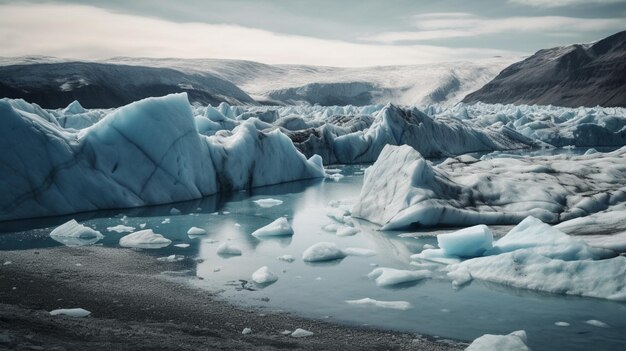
516	341
263	276
391	276
323	251
395	305
145	153
403	189
72	233
279	227
145	239
226	249
71	312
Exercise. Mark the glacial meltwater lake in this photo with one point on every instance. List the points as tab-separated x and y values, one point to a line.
320	290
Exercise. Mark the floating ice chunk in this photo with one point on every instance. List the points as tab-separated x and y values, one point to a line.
227	250
246	331
526	269
6	263
174	211
301	333
71	312
286	332
323	251
286	258
267	203
467	242
338	214
166	221
182	246
72	233
396	305
516	341
561	324
332	227
347	230
144	239
597	323
356	251
460	277
264	276
542	238
436	255
196	231
280	227
120	228
391	276
336	176
142	225
332	170
171	258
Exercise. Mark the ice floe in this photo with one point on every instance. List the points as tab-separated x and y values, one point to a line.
396	305
120	228
516	341
195	231
72	233
323	251
279	227
225	249
264	276
71	312
267	203
391	276
145	239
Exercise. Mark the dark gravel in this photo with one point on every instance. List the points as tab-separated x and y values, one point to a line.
135	308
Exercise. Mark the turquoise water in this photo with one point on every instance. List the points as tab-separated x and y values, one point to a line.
320	290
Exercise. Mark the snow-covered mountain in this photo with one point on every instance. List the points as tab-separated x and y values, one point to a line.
54	83
575	75
446	82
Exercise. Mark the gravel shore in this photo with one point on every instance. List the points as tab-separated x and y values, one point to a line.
135	308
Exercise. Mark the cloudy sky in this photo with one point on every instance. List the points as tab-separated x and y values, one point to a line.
320	32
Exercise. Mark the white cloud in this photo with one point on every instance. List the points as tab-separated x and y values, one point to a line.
563	3
457	25
86	32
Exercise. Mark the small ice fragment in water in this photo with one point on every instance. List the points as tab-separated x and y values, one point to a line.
514	341
196	231
346	231
396	305
174	211
145	239
357	251
285	332
246	331
392	276
597	323
142	225
166	220
286	258
182	245
171	258
561	324
267	203
120	228
227	250
263	275
323	251
71	312
6	263
301	333
279	227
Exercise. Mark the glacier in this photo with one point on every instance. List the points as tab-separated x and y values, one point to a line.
145	153
175	151
403	189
